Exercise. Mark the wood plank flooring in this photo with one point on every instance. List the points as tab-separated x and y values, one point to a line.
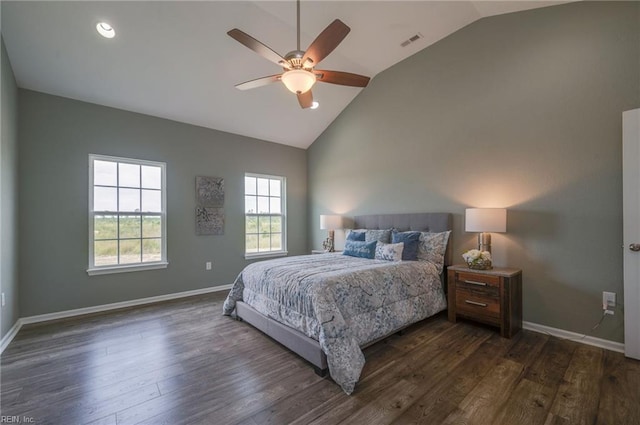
182	362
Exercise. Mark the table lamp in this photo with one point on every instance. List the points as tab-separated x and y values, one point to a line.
485	220
330	223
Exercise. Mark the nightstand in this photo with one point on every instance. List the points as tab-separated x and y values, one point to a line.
488	296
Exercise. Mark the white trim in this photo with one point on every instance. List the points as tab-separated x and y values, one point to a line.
572	336
265	254
122	304
104	307
10	335
137	267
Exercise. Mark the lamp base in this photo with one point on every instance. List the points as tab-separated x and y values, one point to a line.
484	241
328	244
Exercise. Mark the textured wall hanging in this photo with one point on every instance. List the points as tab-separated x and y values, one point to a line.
209	221
209	192
209	203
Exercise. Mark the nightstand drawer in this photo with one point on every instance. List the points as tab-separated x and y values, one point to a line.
477	280
474	304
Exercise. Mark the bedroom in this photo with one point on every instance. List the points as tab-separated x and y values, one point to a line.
543	104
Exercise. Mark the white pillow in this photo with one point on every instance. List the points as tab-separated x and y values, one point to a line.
389	251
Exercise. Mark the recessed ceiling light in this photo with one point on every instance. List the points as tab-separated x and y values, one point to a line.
314	105
105	30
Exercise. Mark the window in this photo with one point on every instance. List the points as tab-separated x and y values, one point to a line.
127	215
265	223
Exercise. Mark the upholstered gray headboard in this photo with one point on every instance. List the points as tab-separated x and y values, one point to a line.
420	222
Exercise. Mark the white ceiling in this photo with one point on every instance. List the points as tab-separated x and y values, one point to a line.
174	60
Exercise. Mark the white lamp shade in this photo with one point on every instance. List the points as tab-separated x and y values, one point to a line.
298	80
330	222
485	220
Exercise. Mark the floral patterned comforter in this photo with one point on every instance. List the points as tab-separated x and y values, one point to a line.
342	302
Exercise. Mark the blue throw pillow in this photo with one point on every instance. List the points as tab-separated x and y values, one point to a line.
360	249
411	242
355	236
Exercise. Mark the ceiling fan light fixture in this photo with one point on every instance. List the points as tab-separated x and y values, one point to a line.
298	80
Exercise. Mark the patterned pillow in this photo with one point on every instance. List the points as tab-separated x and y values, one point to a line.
432	247
360	249
383	236
356	235
411	241
389	251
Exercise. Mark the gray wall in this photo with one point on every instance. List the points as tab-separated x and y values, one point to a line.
521	111
9	195
56	137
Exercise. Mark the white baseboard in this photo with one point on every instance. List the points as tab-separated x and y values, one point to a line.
10	335
101	308
572	336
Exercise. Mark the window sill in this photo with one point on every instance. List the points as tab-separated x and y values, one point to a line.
127	268
258	255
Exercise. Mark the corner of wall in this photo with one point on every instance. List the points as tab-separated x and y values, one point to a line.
8	195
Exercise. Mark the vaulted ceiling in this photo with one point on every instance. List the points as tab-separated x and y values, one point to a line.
173	59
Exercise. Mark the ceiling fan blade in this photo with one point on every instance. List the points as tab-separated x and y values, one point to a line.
305	99
258	82
342	78
258	47
326	42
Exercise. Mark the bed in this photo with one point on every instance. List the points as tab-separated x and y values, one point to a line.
327	307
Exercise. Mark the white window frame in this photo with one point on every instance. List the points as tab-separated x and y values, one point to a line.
163	263
283	208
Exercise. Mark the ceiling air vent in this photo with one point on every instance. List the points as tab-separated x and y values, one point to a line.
411	39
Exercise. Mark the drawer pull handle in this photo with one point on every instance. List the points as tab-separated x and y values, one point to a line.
475	303
473	282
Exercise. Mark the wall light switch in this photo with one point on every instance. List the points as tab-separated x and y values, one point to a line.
2	299
208	265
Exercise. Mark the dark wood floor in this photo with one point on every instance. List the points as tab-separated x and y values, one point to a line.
182	362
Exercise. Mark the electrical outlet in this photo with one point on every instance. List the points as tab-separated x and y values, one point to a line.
208	265
608	300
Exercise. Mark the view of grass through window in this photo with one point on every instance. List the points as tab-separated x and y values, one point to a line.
140	239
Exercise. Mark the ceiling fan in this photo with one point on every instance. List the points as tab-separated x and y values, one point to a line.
299	74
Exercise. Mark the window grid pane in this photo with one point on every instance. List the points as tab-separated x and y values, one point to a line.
128	175
105	253
151	226
250	186
151	177
130	251
151	250
105	173
105	227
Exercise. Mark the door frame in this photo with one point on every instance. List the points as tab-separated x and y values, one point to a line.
631	230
